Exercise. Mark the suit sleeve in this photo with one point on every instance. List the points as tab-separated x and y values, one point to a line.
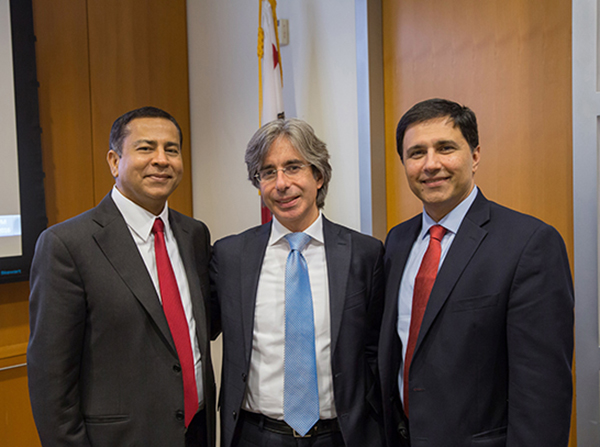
374	315
375	311
540	344
57	323
215	307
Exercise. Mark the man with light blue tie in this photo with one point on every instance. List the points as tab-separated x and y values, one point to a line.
299	302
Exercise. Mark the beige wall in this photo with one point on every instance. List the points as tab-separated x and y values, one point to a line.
319	86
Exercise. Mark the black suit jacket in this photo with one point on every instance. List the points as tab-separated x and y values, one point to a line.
355	273
492	364
102	365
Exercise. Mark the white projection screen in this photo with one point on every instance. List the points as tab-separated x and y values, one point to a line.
22	202
10	206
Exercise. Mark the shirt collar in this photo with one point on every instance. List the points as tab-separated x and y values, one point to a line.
315	231
451	221
136	217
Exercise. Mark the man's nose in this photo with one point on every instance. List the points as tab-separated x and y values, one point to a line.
160	156
432	160
282	180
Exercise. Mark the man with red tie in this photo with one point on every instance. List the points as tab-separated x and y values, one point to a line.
476	342
119	347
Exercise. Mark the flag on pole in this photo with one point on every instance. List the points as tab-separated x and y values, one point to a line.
269	64
270	73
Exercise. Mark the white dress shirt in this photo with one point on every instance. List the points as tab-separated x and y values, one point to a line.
140	222
451	222
265	379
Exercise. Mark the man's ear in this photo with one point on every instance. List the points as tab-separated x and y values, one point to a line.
318	177
476	155
113	162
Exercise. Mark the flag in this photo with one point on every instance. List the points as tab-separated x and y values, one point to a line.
269	65
270	73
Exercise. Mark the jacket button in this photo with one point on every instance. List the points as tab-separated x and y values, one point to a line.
177	368
244	377
179	415
234	415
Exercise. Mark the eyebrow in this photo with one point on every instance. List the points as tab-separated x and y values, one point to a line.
436	143
415	146
286	163
154	143
441	142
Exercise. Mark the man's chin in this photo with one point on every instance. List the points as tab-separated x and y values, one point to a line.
160	193
284	216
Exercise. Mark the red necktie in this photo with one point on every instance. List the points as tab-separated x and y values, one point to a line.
175	314
423	285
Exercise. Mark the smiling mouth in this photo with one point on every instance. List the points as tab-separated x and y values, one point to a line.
159	177
434	181
286	202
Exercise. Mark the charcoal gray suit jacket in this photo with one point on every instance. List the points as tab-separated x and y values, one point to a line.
102	365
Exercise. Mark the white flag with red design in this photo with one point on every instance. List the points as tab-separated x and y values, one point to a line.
272	98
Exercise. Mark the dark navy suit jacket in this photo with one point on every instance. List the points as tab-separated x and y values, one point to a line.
356	281
492	364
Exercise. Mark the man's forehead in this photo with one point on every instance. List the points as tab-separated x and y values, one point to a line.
150	122
151	129
443	120
431	127
283	152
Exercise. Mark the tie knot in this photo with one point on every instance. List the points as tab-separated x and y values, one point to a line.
158	227
297	241
437	232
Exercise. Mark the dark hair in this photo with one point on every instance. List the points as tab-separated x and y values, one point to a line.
302	137
118	132
461	116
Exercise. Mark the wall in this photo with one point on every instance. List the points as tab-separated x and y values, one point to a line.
586	207
95	60
319	68
511	63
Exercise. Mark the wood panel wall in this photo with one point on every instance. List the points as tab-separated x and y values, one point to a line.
96	60
509	61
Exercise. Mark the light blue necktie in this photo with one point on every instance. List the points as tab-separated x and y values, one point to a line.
301	391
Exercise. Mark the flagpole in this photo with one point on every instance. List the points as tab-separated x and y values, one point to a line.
270	77
260	53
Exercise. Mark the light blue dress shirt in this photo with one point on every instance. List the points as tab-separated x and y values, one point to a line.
451	222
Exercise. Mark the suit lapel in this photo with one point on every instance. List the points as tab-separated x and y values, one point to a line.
396	255
397	250
252	255
186	251
465	244
338	252
115	241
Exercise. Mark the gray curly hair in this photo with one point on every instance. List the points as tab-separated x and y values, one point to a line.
302	137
